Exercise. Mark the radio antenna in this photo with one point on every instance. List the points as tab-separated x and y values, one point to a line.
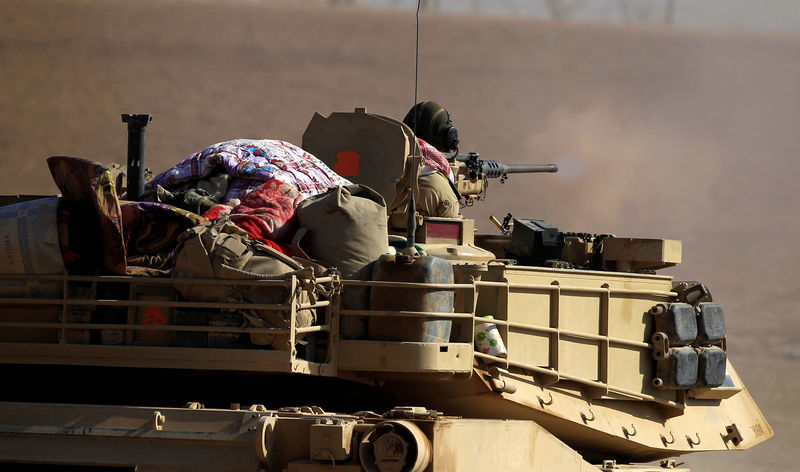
416	74
411	224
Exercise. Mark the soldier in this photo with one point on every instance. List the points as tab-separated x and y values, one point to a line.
436	135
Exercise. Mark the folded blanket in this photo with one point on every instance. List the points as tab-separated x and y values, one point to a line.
101	233
252	162
271	209
150	232
255	231
89	188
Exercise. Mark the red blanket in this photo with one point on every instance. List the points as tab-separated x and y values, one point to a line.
267	213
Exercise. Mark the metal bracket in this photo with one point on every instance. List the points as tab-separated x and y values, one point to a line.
692	293
733	435
608	464
627	433
670	464
543	403
499	383
660	346
411	412
310	410
660	350
158	421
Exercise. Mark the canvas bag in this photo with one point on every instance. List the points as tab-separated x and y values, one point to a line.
223	251
346	228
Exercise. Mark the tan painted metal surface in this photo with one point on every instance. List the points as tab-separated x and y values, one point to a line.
575	386
192	438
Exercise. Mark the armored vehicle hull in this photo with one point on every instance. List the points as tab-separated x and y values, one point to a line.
531	350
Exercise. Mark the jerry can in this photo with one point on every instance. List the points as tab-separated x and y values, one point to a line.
424	269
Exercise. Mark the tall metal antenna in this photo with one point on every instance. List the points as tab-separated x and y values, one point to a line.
416	75
411	225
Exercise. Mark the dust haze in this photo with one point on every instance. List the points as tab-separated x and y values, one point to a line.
670	133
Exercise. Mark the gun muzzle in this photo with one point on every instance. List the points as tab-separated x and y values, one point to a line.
495	169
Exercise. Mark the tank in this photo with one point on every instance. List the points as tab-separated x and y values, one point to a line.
600	362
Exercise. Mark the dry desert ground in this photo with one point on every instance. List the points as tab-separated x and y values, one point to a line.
669	133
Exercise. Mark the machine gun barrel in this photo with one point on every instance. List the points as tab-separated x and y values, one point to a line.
495	169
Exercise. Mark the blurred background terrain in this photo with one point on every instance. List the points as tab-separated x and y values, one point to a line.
661	128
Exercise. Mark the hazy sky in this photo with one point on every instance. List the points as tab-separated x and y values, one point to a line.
759	15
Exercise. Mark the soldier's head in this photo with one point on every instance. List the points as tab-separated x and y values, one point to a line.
431	122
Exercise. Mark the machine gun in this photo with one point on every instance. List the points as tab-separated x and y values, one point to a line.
472	177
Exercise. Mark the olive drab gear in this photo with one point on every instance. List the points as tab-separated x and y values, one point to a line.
345	227
224	251
431	122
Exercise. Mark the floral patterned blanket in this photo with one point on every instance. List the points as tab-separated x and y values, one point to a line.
252	162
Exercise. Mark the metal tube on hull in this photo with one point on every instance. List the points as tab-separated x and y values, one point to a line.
137	128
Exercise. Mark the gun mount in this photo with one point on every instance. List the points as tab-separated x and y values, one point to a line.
495	169
472	176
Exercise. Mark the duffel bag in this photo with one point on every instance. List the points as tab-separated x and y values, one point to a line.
223	251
